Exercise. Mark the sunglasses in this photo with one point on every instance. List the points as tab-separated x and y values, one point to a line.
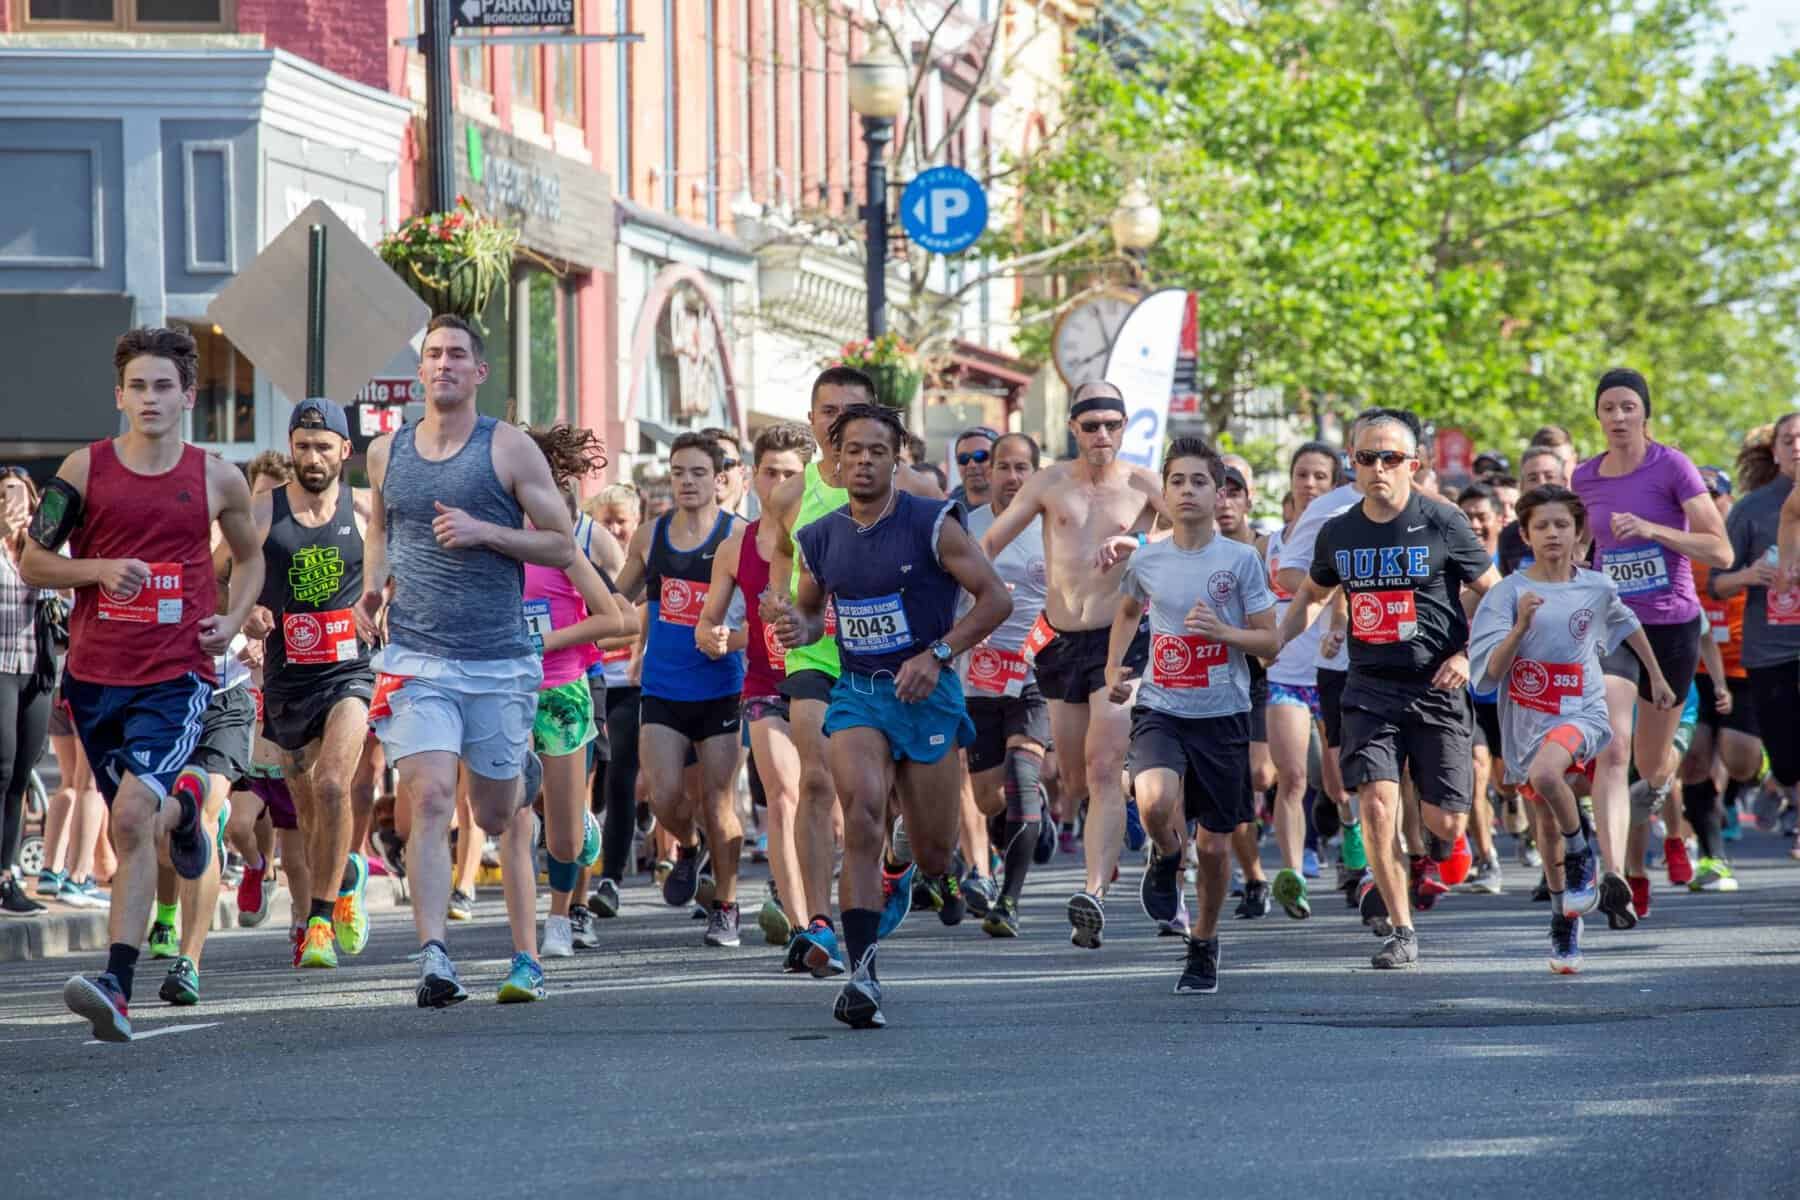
1092	427
973	456
15	472
1387	458
728	463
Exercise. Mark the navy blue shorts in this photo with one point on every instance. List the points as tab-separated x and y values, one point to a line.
148	730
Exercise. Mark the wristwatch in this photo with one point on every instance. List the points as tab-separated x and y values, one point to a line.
941	651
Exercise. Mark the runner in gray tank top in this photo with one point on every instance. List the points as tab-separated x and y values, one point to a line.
458	677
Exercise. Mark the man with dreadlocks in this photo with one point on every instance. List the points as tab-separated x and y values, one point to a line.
892	564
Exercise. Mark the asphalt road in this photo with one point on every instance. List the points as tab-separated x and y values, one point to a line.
1670	1067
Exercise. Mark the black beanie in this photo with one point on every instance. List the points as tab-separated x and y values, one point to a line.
1623	377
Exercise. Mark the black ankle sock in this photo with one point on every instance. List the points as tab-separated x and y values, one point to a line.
321	910
860	928
121	964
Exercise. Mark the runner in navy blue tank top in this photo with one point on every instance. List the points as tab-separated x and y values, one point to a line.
892	564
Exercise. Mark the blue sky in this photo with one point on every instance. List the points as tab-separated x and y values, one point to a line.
1761	29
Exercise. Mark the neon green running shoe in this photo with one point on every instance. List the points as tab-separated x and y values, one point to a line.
181	986
1290	892
1352	850
320	947
590	841
1713	875
164	943
524	983
350	915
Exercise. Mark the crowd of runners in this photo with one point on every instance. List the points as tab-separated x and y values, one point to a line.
1588	662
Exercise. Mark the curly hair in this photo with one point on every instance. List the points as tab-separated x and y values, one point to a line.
880	414
783	435
574	452
273	463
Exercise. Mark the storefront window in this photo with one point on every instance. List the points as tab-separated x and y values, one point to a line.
224	392
545	394
494	398
471	67
528	79
568	84
128	14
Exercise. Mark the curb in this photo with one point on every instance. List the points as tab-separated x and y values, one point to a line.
57	933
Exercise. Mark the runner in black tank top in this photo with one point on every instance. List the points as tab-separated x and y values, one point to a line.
317	679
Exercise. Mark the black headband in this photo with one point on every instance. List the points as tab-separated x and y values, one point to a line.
1096	403
1623	377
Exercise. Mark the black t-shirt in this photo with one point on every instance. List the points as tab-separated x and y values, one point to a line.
1404	579
1515	555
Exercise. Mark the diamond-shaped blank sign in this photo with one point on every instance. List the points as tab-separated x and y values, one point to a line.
370	316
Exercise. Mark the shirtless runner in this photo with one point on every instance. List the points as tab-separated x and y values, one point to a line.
1096	510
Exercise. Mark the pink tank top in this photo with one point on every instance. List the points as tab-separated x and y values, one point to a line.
551	602
765	663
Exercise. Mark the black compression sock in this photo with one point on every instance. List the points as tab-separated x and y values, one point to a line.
1021	844
1700	801
121	964
321	910
860	927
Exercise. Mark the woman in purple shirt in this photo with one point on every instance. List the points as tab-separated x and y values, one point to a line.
1649	513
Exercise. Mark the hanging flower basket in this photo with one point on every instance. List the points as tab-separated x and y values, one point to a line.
891	363
453	261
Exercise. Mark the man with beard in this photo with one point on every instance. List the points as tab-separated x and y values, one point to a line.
316	677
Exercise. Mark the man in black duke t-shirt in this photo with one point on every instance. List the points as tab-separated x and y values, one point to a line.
1404	560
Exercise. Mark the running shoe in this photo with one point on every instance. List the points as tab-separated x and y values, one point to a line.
1794	850
559	938
777	930
102	1004
1565	944
954	905
164	943
190	849
1374	909
1789	824
975	893
1256	900
297	941
1290	893
900	845
1528	852
1713	875
1045	850
1427	883
605	901
1541	893
255	895
1640	895
181	986
1087	920
996	864
524	983
1484	878
683	883
1680	866
896	902
859	1004
50	884
925	893
820	953
320	950
1455	869
350	915
582	934
1200	973
759	852
392	848
1065	841
1002	920
1181	924
590	841
1309	863
1351	851
1580	890
722	925
1159	891
13	900
706	888
1401	950
1135	833
1731	829
91	893
1616	898
462	906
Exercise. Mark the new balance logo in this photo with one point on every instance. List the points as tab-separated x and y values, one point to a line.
343	531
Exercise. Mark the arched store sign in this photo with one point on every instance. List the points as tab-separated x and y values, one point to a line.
698	338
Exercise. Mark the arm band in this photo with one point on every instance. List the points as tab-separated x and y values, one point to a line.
58	515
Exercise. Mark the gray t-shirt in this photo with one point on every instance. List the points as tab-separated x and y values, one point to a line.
1187	675
1555	677
1771	630
1021	568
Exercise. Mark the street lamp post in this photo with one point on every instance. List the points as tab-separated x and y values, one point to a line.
878	90
1136	222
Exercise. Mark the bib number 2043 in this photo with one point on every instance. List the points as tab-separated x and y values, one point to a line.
873	626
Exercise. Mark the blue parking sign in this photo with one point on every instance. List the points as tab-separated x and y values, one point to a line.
944	210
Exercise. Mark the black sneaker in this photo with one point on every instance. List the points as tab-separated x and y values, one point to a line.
1401	950
859	1004
1160	889
1002	920
1615	902
13	900
190	849
1541	893
392	848
1200	974
1374	909
604	903
955	905
683	882
1256	900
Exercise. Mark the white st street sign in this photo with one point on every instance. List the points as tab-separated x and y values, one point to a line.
489	14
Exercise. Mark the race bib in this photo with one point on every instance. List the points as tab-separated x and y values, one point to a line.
876	625
774	649
1041	635
995	672
156	602
1542	686
538	623
1715	616
381	701
1638	570
1185	660
315	639
1383	618
1281	593
618	654
1782	608
830	617
681	601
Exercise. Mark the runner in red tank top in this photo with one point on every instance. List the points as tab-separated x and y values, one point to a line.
742	563
137	511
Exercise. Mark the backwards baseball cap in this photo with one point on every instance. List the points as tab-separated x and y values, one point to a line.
1235	476
315	412
1717	480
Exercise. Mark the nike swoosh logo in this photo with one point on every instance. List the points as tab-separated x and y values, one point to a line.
1414	528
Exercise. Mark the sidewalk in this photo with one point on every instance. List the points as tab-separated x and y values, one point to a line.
64	930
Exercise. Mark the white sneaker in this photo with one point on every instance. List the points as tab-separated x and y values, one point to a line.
559	939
